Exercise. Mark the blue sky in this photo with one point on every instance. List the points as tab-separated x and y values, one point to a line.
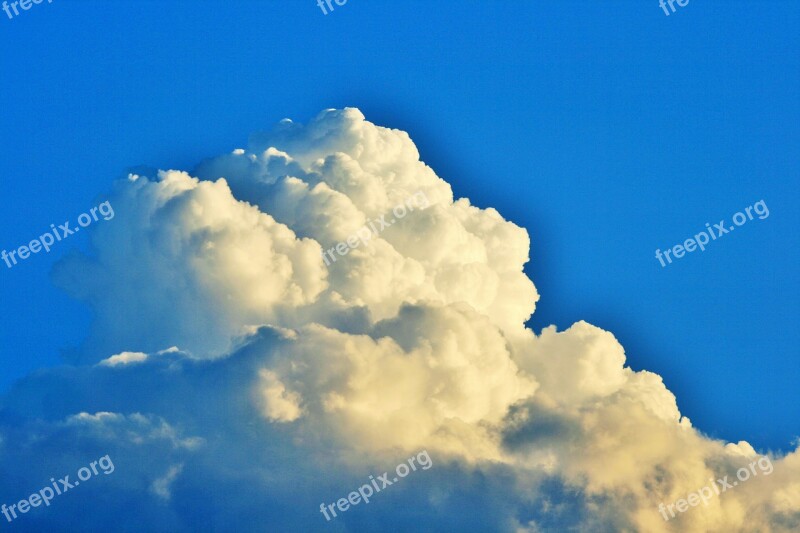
607	129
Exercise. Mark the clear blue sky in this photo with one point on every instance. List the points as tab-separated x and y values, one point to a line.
607	129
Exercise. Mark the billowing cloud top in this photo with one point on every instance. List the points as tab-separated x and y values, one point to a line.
256	351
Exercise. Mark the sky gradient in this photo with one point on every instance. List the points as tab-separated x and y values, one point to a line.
606	130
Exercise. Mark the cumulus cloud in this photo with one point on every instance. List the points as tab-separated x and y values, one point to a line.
124	358
238	381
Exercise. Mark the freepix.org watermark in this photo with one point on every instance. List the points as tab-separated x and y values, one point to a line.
322	3
364	234
671	4
705	494
46	241
365	492
46	495
713	233
23	4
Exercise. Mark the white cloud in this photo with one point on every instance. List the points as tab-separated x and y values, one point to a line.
161	486
267	376
124	358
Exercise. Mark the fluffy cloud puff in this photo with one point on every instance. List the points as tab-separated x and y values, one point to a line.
237	380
